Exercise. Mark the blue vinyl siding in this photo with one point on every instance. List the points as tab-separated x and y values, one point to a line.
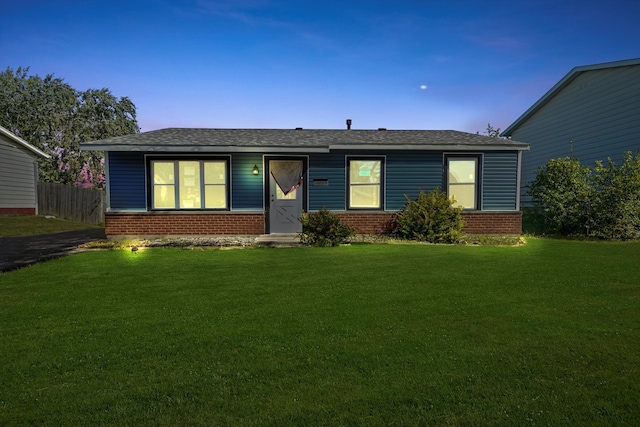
405	173
247	191
127	181
408	173
332	168
499	181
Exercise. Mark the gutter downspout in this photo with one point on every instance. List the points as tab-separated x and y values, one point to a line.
518	180
36	180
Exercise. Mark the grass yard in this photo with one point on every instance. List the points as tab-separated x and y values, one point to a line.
543	334
21	225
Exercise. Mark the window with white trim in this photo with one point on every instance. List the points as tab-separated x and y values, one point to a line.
365	186
189	184
463	174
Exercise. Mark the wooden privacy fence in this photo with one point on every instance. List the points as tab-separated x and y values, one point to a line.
72	203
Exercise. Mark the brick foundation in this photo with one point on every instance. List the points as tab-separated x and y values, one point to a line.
369	223
17	211
253	223
484	222
176	224
487	222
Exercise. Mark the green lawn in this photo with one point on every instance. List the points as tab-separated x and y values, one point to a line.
543	334
21	225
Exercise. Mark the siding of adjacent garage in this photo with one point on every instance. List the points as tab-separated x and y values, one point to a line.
594	117
17	177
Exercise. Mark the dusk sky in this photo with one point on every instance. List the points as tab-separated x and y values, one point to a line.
400	64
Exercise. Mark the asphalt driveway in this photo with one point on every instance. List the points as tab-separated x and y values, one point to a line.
20	251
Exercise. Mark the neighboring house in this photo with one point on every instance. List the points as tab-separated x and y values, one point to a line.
256	181
18	175
592	113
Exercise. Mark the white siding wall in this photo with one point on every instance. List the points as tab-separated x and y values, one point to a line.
17	176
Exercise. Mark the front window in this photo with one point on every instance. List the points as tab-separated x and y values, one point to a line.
462	181
189	184
365	183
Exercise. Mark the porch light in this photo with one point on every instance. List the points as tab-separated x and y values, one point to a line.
255	170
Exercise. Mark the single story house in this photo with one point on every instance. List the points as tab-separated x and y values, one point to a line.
592	113
18	175
256	181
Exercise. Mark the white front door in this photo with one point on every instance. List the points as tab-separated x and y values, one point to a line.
284	209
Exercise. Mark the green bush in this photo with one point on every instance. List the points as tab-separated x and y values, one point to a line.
616	203
430	218
323	228
562	190
603	202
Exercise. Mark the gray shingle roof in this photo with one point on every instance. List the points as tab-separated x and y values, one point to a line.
298	140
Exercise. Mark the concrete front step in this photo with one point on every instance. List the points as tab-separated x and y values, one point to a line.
278	240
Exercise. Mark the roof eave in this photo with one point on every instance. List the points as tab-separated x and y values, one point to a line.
300	149
24	144
434	147
201	148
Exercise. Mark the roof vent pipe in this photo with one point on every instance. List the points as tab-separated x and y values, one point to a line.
348	124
